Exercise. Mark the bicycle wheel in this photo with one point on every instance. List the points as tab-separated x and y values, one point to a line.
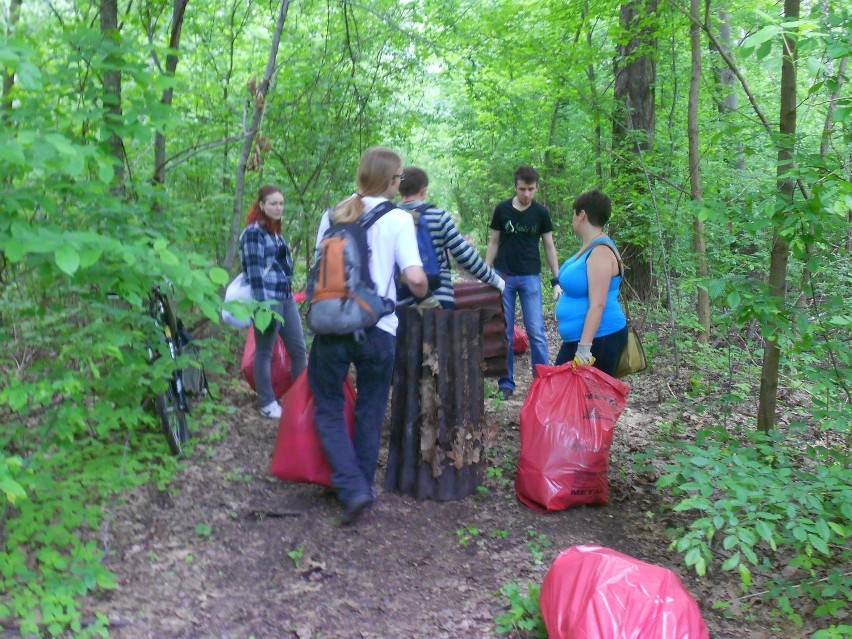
172	419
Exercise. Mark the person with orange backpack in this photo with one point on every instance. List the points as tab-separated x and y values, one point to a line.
361	243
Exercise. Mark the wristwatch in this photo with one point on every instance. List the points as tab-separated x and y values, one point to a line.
554	281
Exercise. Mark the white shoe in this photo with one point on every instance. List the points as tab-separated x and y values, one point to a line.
271	410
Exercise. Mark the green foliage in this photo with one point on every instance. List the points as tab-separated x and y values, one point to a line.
524	612
296	556
758	500
467	534
538	543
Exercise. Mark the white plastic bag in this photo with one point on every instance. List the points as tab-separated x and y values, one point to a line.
238	291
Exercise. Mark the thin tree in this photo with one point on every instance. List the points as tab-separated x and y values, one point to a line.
8	76
695	171
178	13
112	89
258	103
780	254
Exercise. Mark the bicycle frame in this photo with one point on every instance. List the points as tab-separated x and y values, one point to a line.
160	310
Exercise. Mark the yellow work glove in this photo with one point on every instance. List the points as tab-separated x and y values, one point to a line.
584	356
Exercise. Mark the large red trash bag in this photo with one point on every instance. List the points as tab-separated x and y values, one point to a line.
566	431
298	455
591	592
280	365
521	341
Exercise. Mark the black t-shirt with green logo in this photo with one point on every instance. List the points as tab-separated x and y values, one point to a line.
520	231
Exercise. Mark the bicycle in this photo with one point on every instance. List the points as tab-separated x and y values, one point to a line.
173	406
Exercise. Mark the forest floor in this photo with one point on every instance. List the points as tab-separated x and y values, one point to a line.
229	552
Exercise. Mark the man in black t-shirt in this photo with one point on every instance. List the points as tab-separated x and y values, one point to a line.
516	227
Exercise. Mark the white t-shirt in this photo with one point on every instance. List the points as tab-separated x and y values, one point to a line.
392	243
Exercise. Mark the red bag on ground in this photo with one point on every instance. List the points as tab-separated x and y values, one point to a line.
298	455
281	378
595	592
521	342
566	431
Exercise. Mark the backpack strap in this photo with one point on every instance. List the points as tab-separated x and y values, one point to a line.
375	214
614	252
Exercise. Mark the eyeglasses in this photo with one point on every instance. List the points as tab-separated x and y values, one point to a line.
401	176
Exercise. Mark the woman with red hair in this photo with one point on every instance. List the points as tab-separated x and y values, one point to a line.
268	266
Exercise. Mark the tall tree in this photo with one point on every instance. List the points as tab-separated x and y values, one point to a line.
695	170
112	88
635	117
780	252
178	12
258	104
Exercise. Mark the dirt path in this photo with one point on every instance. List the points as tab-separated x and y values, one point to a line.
231	553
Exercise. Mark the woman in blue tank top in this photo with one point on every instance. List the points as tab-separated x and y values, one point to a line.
591	321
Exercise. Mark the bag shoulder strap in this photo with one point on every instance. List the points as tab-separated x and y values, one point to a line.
614	252
375	214
620	271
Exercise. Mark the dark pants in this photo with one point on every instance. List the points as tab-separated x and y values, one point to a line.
353	461
606	351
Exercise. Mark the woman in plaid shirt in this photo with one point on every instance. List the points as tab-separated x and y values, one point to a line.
268	266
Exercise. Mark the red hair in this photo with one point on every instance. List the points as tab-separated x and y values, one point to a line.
262	219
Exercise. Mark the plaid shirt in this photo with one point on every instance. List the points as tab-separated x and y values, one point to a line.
267	263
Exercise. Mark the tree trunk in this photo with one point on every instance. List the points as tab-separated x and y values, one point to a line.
8	77
726	79
780	248
635	76
438	428
695	171
112	89
633	130
171	66
259	106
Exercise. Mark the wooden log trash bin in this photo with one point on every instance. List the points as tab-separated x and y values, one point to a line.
438	432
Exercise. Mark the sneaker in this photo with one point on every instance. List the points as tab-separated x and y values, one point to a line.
354	509
271	410
506	393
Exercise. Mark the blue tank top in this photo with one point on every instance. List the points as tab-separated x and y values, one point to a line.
573	304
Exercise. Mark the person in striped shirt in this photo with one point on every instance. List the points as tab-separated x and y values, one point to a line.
446	239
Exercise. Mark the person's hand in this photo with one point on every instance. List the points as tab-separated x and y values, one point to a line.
583	356
501	284
424	304
557	291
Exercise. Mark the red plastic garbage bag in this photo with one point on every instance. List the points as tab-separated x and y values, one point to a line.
566	430
591	592
281	378
521	341
298	455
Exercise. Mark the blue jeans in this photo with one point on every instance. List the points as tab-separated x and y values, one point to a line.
353	461
606	350
528	289
264	343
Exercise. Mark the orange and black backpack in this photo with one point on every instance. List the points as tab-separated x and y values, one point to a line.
342	297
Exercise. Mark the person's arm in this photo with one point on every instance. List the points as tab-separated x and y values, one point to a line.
253	253
599	267
465	255
552	261
550	253
415	279
493	245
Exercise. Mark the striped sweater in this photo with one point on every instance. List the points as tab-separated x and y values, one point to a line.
447	240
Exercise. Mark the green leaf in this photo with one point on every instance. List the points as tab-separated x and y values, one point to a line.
67	259
764	530
13	490
219	276
731	562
